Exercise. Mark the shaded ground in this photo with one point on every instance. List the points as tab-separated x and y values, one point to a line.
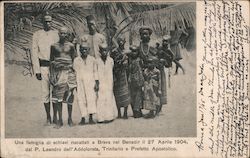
25	115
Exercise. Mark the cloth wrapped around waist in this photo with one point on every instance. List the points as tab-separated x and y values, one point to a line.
61	72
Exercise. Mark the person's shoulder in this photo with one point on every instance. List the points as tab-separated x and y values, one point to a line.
38	32
91	58
55	44
100	35
138	59
84	38
153	49
146	71
77	59
156	70
55	31
69	44
110	59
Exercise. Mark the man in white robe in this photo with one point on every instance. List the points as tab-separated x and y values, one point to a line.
87	83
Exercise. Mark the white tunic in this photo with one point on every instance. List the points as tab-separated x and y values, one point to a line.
41	42
106	105
86	75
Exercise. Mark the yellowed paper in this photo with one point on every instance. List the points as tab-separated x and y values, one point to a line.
207	110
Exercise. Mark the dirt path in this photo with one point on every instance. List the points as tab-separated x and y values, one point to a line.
25	114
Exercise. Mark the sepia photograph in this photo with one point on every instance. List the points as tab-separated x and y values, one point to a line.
100	69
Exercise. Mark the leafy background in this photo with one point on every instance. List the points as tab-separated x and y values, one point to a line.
21	20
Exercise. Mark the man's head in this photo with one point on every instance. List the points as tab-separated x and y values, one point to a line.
84	49
47	22
91	24
121	41
166	40
63	33
145	33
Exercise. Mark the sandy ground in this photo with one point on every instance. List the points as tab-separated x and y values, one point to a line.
25	115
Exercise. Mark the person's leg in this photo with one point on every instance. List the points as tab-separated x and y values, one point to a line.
60	121
91	121
150	114
82	122
70	122
125	114
54	114
47	109
176	67
46	92
119	112
69	99
158	109
137	102
178	64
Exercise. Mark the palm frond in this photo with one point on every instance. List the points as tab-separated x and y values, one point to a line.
63	14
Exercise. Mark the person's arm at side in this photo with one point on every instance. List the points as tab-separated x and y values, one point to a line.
95	75
52	53
159	76
73	52
35	58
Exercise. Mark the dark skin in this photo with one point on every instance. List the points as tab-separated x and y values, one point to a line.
151	66
67	50
145	36
165	53
104	54
63	48
92	27
121	44
145	50
133	56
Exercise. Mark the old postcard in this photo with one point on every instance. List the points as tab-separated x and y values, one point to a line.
125	79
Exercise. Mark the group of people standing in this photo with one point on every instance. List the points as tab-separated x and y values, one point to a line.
103	81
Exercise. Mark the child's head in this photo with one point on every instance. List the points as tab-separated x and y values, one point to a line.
84	49
104	53
157	45
121	41
166	40
134	51
151	62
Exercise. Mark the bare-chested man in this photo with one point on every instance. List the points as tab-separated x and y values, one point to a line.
62	76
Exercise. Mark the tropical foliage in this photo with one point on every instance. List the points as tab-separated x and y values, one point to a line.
114	19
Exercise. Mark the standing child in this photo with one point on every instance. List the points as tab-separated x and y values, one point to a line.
87	83
121	90
165	56
152	87
136	80
106	105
